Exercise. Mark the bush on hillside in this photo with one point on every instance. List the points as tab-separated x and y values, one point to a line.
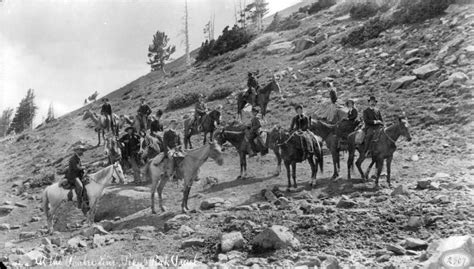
321	5
366	10
220	93
229	40
182	100
371	29
413	11
288	23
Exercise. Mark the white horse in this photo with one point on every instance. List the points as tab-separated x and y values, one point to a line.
54	195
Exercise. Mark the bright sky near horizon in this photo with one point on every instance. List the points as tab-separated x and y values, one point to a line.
65	50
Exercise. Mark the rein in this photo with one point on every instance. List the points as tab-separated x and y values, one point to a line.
287	140
389	138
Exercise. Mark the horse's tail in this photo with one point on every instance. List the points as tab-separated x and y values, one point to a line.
320	157
45	202
147	171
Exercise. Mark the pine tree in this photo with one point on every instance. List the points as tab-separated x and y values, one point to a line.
50	116
5	121
25	113
275	23
159	52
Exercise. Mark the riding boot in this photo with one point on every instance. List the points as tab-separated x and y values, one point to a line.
251	150
79	196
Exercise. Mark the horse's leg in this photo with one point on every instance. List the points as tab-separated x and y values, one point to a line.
154	187
367	172
278	157
359	164
379	165
334	163
314	170
185	198
293	166
350	162
161	186
204	141
389	170
98	137
288	174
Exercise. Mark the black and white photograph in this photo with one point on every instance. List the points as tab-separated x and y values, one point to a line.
146	134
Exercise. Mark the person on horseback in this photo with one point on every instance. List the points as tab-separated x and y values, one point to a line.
300	124
106	110
143	112
330	113
200	110
252	133
131	147
347	124
156	125
253	87
75	173
172	145
373	122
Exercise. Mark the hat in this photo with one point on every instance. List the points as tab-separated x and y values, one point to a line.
372	98
173	121
130	127
105	99
298	106
159	112
349	101
80	148
250	74
254	109
142	98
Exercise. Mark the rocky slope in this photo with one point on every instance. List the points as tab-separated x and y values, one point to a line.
424	70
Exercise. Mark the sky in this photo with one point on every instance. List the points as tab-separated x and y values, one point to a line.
65	50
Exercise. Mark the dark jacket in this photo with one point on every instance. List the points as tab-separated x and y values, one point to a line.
252	83
299	123
156	126
370	116
255	126
75	169
131	144
200	108
144	110
171	139
352	115
106	109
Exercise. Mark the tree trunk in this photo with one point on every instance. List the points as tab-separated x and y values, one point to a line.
186	33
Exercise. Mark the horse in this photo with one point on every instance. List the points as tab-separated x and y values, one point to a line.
382	149
327	133
208	124
262	99
292	153
112	149
101	123
159	170
54	194
235	134
150	147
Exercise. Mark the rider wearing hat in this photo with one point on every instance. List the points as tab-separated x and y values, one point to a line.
156	125
106	110
373	121
75	173
301	123
143	112
352	112
131	147
253	88
200	110
172	145
254	132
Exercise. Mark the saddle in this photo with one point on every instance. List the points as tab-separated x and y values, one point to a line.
65	184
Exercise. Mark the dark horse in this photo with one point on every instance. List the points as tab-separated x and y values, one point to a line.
208	124
262	99
292	153
327	133
382	149
235	134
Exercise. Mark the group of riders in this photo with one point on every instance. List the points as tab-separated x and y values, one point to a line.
171	140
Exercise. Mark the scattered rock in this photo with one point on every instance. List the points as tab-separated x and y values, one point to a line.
400	190
412	52
425	70
447	83
280	47
20	204
441	176
414	158
192	242
27	235
345	202
5	210
304	195
399	250
303	43
211	203
35	219
268	194
46	241
244	208
413	60
4	227
423	184
458	76
145	229
450	59
415	222
370	73
414	243
230	241
95	229
383	258
98	241
330	263
276	237
185	231
76	242
32	258
402	82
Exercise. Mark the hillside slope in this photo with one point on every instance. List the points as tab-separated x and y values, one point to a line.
438	104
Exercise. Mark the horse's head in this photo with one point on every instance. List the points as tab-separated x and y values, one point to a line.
219	136
87	114
216	153
118	172
275	84
274	137
215	115
404	127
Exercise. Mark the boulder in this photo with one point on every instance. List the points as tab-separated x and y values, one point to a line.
76	242
303	43
230	241
98	241
276	237
402	82
5	210
27	235
303	195
122	201
4	227
345	202
450	59
32	258
20	204
415	222
425	70
452	252
193	242
447	83
280	47
412	52
458	76
185	231
450	47
413	60
270	196
330	263
414	243
399	250
423	184
93	230
400	190
211	203
414	158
